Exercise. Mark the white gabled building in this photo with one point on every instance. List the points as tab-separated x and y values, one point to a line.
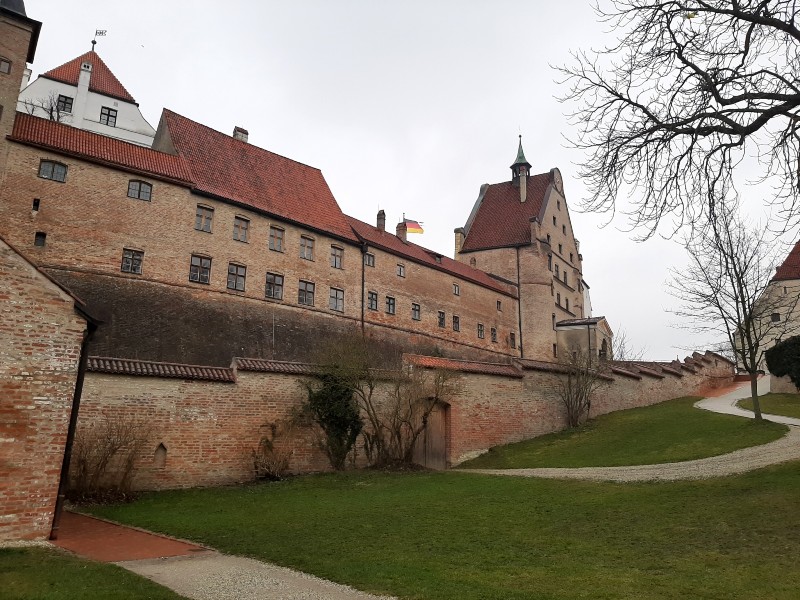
85	93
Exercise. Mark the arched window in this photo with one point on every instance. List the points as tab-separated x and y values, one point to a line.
160	457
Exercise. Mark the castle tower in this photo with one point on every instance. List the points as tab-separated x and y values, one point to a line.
18	38
519	172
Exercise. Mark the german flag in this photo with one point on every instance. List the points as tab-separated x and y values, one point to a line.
413	226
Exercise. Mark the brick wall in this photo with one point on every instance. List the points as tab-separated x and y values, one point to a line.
40	340
209	428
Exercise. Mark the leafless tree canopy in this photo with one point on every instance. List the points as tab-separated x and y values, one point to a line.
49	107
580	379
688	91
726	290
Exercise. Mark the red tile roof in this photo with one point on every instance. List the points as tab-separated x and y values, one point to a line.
624	372
234	170
103	81
275	366
393	244
44	133
551	367
464	366
124	366
502	220
790	268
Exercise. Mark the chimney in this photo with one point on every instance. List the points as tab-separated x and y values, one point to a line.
459	231
381	220
26	78
240	134
402	230
82	95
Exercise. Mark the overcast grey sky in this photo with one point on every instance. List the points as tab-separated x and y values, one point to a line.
407	106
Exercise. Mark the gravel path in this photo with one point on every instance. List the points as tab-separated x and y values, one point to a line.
740	461
215	576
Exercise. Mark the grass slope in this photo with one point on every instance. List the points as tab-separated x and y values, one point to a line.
44	574
466	536
667	432
787	405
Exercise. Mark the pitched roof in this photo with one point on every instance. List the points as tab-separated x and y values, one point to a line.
124	366
501	219
275	366
391	243
464	366
231	169
790	267
62	138
103	81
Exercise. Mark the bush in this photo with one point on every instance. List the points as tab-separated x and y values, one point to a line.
275	449
784	359
332	407
103	458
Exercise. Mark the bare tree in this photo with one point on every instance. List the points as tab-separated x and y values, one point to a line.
689	89
623	349
577	384
726	290
50	106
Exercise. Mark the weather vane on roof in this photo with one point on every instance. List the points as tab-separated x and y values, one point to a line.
98	33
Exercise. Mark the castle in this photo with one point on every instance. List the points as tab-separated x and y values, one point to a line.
187	276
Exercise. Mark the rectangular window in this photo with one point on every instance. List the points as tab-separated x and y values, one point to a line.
550	262
499	305
513	339
5	66
776	317
567	303
337	255
565	276
494	335
558	298
108	116
52	170
203	218
336	300
274	287
240	228
200	269
415	311
369	259
132	261
571	257
564	229
307	248
456	323
64	104
140	190
557	272
40	238
401	270
372	300
441	318
276	239
391	305
456	289
236	277
555	350
306	293
481	332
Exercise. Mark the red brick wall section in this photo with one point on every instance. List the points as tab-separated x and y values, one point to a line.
40	340
209	428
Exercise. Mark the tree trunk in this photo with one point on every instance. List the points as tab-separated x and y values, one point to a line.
754	395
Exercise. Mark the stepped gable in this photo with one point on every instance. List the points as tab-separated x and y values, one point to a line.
790	268
391	243
103	81
230	169
51	135
502	220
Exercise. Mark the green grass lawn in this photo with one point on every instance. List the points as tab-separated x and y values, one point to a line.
787	405
45	574
467	536
667	432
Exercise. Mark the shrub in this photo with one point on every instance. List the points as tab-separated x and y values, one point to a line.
784	359
332	407
274	451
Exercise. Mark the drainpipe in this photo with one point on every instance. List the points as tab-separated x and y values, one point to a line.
519	308
73	422
363	284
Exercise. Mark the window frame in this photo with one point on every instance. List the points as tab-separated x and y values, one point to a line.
401	270
63	101
441	318
499	306
274	286
337	257
493	334
369	259
198	269
456	289
132	261
3	62
40	236
238	272
391	305
416	311
204	218
775	317
138	189
372	300
241	226
50	174
306	247
277	236
306	290
106	118
336	299
512	337
456	323
481	331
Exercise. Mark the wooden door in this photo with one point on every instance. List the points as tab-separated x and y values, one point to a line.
430	449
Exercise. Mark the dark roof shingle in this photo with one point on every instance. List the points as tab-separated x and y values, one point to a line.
464	366
44	133
103	81
125	366
502	220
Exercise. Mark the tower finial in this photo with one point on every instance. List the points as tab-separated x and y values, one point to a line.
521	167
97	33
